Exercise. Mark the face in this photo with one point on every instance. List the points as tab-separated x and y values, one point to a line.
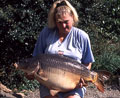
64	23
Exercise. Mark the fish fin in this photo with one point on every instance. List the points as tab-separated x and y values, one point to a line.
36	69
43	78
104	75
97	81
42	75
100	86
99	77
53	92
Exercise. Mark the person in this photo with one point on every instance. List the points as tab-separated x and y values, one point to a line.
62	37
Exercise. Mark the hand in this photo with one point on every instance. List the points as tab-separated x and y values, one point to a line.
29	77
81	83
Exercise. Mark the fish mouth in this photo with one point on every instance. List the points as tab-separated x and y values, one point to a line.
16	65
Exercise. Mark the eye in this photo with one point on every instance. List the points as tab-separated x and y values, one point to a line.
66	22
60	22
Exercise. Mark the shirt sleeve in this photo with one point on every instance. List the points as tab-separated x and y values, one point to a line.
41	43
87	54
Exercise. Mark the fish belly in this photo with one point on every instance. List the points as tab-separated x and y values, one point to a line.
60	80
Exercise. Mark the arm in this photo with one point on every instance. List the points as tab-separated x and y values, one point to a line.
41	42
89	65
87	58
82	82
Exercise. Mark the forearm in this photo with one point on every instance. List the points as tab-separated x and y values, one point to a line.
88	65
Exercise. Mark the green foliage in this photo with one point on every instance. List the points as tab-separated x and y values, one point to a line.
108	60
22	20
101	17
27	84
20	82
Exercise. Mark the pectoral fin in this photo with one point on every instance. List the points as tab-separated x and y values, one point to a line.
43	78
41	75
53	92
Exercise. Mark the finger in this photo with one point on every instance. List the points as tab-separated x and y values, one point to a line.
81	85
83	82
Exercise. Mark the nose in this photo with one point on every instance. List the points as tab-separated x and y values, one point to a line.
64	25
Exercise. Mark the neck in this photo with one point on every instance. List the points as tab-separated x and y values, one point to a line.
61	39
62	36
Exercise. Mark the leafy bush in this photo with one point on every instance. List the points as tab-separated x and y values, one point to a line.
107	56
107	61
21	22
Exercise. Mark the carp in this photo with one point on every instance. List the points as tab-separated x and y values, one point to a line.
58	73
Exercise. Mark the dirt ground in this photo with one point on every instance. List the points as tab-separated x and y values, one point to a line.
111	91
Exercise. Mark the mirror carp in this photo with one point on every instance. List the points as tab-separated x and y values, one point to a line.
58	73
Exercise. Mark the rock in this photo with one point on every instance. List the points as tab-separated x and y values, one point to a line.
7	93
4	88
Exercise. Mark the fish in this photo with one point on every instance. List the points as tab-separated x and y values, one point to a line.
58	73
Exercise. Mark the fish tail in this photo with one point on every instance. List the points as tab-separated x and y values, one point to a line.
97	81
99	84
101	76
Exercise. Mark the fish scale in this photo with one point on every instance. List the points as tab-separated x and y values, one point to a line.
58	61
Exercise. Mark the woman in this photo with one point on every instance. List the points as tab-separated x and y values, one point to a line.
61	37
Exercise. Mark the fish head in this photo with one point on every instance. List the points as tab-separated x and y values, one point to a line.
29	65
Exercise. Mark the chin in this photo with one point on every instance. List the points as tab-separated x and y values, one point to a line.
67	31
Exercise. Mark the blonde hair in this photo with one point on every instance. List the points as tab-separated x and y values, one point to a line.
67	8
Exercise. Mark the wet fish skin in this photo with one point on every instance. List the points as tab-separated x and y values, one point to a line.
58	73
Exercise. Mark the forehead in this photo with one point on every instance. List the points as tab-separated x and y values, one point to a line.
63	17
62	11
